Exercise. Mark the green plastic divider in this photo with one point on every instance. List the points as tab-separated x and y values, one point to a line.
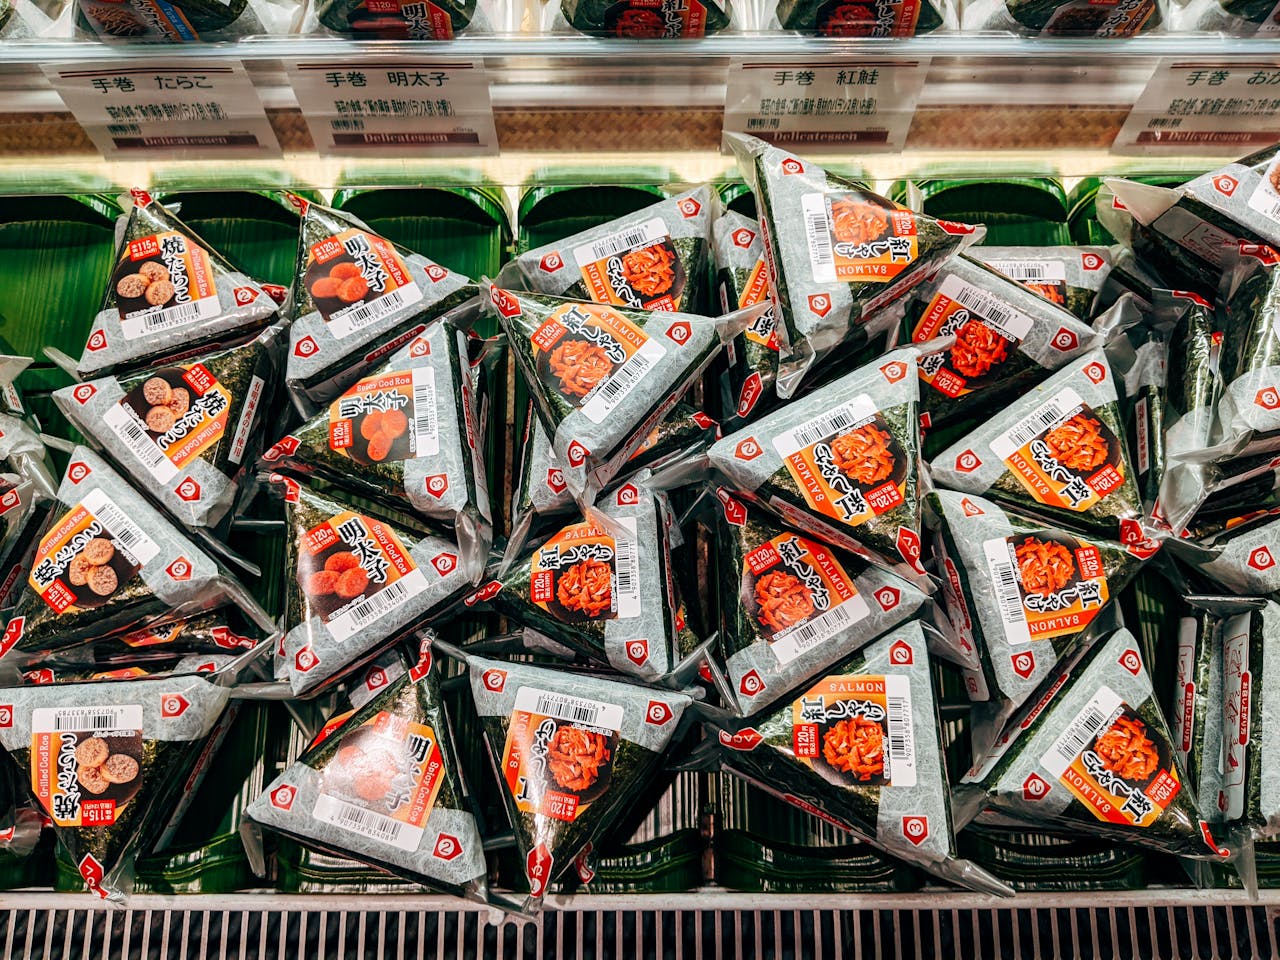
1016	210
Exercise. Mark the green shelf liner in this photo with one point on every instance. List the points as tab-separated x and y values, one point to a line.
747	862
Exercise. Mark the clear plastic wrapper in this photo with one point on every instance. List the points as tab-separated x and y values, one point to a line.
23	20
789	606
653	259
184	21
572	752
108	561
1245	556
603	586
1006	338
185	431
1095	755
837	254
841	463
602	377
356	298
861	748
122	749
169	293
382	785
1057	451
354	584
1019	596
407	434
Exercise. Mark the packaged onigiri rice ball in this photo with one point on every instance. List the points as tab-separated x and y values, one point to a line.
1249	408
169	293
1071	277
1245	556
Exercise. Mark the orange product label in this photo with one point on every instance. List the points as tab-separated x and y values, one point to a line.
86	762
857	730
637	267
846	463
582	574
1063	454
858	237
390	416
163	281
1114	763
356	278
798	594
1047	584
756	289
560	751
882	18
656	19
353	570
763	330
382	780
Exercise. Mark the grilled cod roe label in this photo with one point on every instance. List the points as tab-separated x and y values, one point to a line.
846	463
355	279
172	418
857	730
1046	586
161	282
559	752
93	551
857	237
1236	707
592	357
391	416
85	762
583	573
383	781
799	594
987	331
1063	454
354	571
1114	763
637	267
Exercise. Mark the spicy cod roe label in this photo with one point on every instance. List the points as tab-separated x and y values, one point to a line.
800	595
355	279
85	762
858	729
1114	763
592	357
354	571
855	237
390	416
383	781
91	553
161	282
1063	454
846	463
583	573
1046	586
170	419
559	752
637	267
987	332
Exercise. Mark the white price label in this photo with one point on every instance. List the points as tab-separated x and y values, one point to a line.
1219	109
172	108
395	108
867	104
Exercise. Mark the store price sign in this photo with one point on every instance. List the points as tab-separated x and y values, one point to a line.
173	108
1204	108
864	104
395	108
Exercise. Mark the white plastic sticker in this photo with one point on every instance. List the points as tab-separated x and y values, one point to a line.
171	108
395	108
1004	579
1059	408
1008	321
1097	715
571	709
126	534
848	416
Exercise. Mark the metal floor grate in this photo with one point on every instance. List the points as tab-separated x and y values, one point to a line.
1181	930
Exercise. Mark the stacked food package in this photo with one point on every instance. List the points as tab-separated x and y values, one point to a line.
825	549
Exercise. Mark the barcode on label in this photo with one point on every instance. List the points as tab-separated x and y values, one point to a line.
426	441
1048	415
172	317
97	719
1004	577
124	423
1264	198
570	709
123	530
1013	324
1098	714
367	611
647	234
613	391
364	612
901	768
626	567
840	420
368	823
356	317
817	226
1023	270
791	643
168	318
